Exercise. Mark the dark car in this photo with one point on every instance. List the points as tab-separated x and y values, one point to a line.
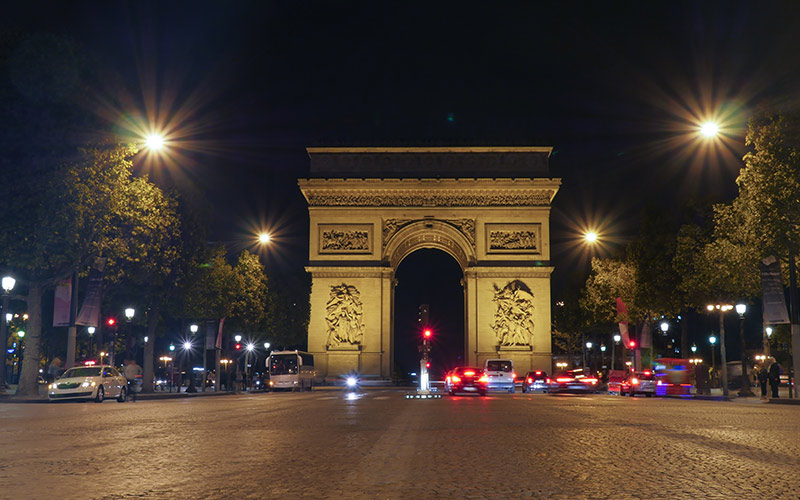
639	383
574	381
535	381
466	379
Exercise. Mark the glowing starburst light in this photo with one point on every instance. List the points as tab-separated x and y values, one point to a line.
709	129
154	142
591	237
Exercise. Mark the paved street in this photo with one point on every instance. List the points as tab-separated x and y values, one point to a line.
322	445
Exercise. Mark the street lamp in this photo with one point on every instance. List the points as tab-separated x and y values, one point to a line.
129	313
713	340
154	142
590	237
617	338
722	308
603	355
766	336
745	389
694	348
264	238
193	328
8	284
588	346
709	129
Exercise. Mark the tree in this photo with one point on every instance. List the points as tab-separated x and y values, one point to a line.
60	220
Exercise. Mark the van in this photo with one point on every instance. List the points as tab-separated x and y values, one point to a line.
501	374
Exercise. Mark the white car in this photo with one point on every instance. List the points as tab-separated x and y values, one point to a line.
89	382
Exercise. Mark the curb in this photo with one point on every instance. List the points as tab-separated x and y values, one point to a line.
783	401
140	397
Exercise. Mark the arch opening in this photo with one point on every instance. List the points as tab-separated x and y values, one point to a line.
432	277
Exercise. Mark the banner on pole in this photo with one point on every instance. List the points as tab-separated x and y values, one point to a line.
772	297
218	344
61	302
646	337
622	314
210	337
90	310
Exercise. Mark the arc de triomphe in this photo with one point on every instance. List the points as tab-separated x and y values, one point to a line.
369	208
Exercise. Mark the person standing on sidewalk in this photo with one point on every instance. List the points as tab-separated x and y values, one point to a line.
763	377
132	371
774	377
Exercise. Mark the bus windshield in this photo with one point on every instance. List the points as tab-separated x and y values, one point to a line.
283	364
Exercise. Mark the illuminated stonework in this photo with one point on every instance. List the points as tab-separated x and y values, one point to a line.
369	208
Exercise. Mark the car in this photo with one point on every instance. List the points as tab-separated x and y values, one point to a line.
572	381
638	383
501	375
466	379
89	382
535	381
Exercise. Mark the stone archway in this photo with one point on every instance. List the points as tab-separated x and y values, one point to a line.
497	229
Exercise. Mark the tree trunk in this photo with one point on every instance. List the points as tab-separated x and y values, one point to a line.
149	349
29	377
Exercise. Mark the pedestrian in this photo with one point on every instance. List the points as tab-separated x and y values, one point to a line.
763	377
701	379
132	371
54	369
774	377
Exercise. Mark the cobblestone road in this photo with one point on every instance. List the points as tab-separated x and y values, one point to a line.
322	445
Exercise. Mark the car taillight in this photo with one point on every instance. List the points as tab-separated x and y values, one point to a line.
469	374
456	378
447	379
635	381
564	379
547	381
484	379
538	372
589	380
513	375
530	380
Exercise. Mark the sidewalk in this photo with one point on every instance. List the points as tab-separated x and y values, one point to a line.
733	395
11	396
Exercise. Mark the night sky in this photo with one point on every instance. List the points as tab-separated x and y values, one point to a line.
617	88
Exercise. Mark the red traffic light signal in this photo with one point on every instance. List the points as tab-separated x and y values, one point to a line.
238	347
111	322
632	344
427	333
427	365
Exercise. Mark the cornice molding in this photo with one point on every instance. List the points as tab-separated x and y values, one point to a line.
349	272
508	272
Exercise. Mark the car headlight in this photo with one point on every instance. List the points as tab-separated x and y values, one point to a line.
52	386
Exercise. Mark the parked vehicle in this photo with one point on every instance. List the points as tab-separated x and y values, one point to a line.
535	381
291	370
501	375
89	382
466	379
639	383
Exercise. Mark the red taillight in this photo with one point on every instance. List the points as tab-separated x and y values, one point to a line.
547	381
635	381
448	378
513	375
530	380
538	372
469	373
561	380
589	380
647	373
484	379
456	378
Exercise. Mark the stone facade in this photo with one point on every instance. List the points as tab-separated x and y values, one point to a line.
497	229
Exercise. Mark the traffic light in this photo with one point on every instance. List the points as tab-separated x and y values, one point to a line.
111	322
238	346
427	334
632	344
427	365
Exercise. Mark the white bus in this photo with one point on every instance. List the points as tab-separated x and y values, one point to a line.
291	370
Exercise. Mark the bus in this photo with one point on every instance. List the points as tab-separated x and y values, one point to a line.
674	377
291	370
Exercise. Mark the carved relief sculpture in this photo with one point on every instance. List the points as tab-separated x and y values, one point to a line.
513	238
513	319
465	226
345	238
344	312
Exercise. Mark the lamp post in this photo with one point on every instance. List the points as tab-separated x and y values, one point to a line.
8	284
664	329
745	389
90	330
172	368
767	334
723	358
617	338
713	340
588	346
603	355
